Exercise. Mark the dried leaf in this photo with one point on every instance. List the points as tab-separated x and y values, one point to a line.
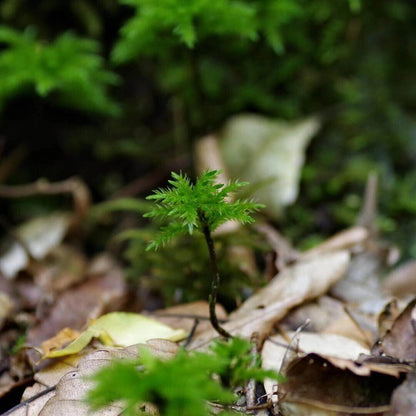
348	239
361	286
400	341
314	385
72	385
326	345
86	301
401	282
120	329
269	154
39	236
302	281
62	268
7	307
293	286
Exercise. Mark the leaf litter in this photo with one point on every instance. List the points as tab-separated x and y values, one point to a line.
344	341
322	358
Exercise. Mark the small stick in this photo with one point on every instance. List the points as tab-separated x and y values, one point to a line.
192	333
75	186
30	400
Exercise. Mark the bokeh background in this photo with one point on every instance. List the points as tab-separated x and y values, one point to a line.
112	91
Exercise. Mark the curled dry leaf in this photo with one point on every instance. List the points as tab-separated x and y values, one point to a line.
326	345
63	337
315	386
326	378
400	341
388	316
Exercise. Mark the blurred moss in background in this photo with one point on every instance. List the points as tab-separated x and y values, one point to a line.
120	87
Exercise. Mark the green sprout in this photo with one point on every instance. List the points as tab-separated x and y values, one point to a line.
202	206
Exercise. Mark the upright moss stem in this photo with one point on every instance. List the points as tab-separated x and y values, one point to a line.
215	283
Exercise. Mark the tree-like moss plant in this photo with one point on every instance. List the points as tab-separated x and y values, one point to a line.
204	206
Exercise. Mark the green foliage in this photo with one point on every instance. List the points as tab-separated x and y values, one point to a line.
348	59
151	28
189	206
224	33
149	31
181	385
69	67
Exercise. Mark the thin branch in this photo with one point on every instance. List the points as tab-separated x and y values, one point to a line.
30	400
75	186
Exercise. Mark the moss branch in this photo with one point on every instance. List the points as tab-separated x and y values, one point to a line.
215	283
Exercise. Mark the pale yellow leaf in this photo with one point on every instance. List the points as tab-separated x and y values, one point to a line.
120	329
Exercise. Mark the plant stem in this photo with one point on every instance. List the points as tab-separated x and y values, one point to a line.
215	283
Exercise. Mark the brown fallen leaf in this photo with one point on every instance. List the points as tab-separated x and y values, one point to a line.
277	351
400	341
293	286
384	365
320	312
76	306
361	286
330	316
388	316
348	239
304	280
62	268
315	386
401	282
